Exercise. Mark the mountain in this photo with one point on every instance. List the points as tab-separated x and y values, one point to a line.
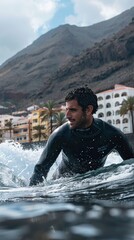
42	70
108	63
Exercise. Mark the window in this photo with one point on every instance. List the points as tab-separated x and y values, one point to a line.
125	130
117	104
109	113
100	115
117	112
108	105
100	106
125	120
100	98
116	95
25	130
35	121
124	94
16	131
109	121
108	97
118	121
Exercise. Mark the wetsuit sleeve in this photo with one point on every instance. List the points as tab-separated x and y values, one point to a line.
123	147
48	157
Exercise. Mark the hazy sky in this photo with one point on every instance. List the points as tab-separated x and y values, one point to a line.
23	21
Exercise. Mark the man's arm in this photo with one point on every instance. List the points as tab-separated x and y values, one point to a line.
48	157
123	147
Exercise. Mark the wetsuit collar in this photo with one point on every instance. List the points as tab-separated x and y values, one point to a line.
91	131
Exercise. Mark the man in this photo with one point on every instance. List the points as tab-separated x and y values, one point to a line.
84	141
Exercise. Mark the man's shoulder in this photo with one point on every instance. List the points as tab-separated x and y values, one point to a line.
62	129
106	127
59	134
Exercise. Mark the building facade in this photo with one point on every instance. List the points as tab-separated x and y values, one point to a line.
109	104
37	123
6	126
22	130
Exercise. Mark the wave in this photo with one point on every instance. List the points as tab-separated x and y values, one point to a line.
81	207
8	179
113	182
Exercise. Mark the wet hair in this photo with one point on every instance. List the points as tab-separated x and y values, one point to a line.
84	96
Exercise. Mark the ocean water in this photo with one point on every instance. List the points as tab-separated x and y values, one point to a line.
95	205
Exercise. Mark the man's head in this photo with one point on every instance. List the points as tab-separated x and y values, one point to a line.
84	96
81	103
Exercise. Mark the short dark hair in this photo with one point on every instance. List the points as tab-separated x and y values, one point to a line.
84	96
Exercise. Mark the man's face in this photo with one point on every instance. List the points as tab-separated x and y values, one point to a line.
76	116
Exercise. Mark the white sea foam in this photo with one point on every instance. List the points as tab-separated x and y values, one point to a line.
21	161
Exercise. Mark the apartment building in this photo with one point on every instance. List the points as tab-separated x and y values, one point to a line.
22	130
6	126
109	103
36	120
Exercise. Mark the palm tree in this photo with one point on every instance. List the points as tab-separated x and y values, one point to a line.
60	118
39	132
128	106
9	127
49	113
0	135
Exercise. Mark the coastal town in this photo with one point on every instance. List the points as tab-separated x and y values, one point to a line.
36	123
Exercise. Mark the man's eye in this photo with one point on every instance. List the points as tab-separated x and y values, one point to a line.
73	110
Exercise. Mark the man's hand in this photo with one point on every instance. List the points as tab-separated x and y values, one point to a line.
36	179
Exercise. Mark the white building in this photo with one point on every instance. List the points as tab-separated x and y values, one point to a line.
109	103
32	108
19	130
5	132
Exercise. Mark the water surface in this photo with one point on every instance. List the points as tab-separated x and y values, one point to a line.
95	205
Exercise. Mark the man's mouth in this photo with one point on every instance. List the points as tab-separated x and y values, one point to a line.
71	121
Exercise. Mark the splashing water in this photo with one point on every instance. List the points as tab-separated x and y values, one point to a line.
68	208
20	163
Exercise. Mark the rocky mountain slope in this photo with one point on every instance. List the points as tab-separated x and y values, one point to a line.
58	60
108	63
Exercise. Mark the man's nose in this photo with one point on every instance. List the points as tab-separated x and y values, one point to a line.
67	113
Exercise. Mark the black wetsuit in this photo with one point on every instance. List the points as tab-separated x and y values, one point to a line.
82	149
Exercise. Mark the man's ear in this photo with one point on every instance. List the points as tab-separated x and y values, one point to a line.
89	109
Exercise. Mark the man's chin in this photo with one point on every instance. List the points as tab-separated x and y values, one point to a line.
72	125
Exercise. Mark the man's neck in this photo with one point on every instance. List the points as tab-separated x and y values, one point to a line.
89	123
